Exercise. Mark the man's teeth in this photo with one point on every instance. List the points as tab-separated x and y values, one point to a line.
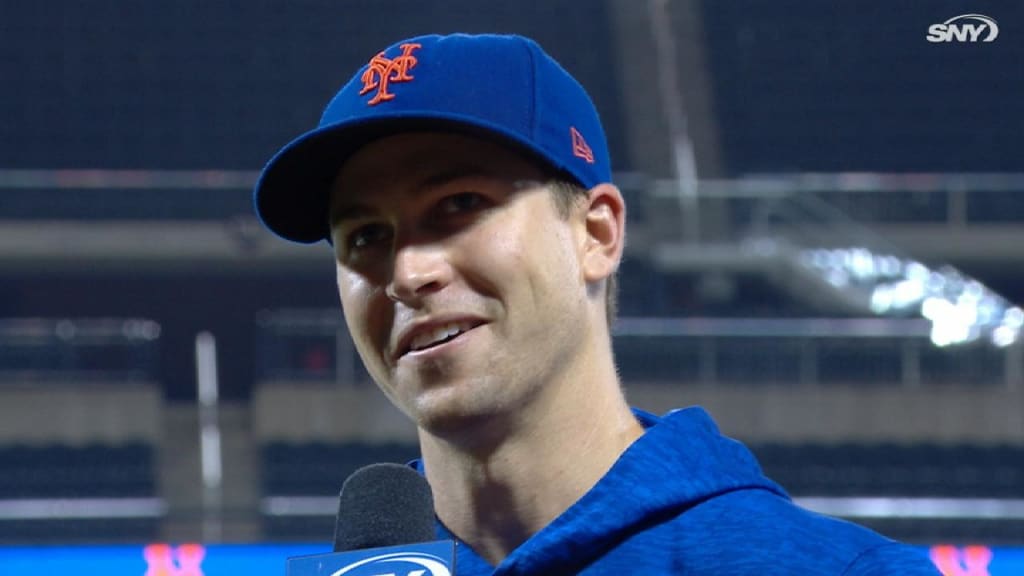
437	335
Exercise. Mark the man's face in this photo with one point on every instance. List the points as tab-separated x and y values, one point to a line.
460	282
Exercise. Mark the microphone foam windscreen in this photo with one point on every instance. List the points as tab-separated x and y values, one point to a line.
384	505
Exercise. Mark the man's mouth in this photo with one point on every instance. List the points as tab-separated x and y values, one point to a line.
439	335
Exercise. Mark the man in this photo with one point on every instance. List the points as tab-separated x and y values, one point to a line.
465	186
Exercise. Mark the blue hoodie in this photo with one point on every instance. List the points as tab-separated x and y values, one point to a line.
683	499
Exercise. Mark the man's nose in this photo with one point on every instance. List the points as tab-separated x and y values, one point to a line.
418	270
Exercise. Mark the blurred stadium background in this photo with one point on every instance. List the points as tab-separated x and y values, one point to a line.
825	250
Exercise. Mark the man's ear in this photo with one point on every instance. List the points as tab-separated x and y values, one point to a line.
605	226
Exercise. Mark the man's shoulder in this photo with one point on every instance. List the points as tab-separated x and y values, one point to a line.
746	531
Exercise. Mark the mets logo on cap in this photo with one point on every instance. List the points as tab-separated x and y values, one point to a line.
382	71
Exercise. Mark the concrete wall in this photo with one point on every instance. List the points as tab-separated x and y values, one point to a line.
312	411
948	414
228	514
77	413
952	414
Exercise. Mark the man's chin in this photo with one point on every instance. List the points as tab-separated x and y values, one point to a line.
457	421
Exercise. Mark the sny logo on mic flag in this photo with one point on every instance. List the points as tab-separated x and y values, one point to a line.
424	559
421	564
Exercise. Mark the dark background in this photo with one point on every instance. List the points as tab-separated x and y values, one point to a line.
797	86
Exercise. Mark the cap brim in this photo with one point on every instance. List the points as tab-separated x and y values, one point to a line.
292	195
293	192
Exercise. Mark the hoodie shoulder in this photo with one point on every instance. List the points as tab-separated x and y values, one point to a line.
751	532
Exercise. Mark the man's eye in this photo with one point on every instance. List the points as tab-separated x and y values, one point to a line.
368	236
462	202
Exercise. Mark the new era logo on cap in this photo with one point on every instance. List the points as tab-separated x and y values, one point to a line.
580	148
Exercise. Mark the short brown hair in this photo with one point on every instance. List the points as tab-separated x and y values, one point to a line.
565	194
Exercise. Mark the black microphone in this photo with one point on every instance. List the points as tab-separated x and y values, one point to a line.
384	505
385	525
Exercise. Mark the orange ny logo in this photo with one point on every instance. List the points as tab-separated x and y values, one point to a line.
383	71
167	560
967	561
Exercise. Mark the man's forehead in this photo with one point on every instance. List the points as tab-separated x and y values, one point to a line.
427	159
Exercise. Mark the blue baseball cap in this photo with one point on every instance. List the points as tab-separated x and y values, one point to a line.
502	87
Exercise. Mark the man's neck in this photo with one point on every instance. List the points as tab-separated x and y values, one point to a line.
497	497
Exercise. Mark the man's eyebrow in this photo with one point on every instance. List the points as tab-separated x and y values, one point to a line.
347	211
